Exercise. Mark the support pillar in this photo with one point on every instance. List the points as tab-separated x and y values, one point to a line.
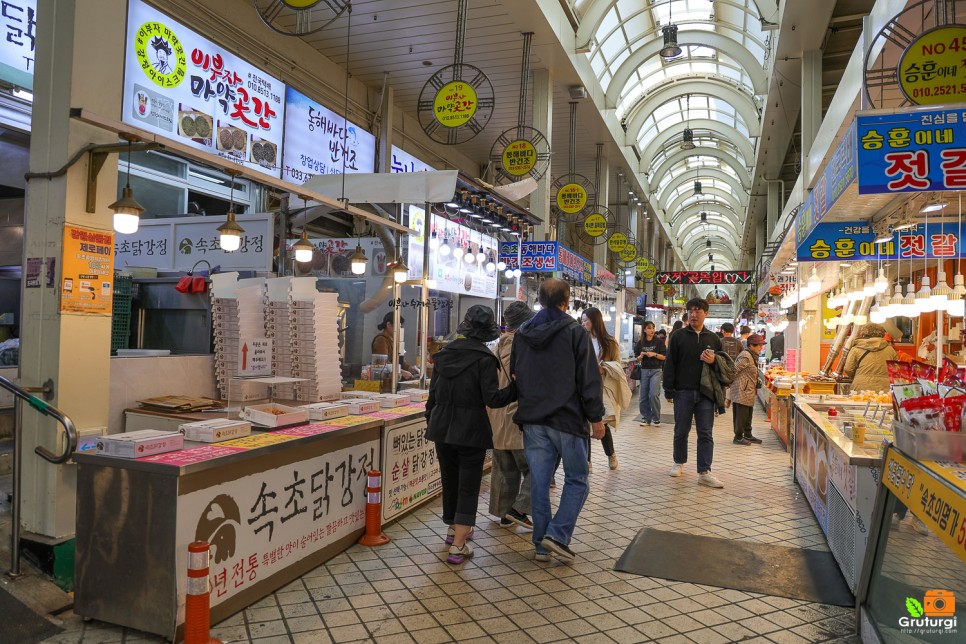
384	163
811	104
73	350
543	121
773	208
760	238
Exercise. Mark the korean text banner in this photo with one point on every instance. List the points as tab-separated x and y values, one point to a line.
574	266
707	277
453	274
855	240
912	151
18	42
402	161
535	257
87	285
319	141
838	175
182	86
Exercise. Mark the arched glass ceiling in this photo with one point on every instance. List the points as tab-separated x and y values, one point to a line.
677	171
677	111
706	184
708	161
626	25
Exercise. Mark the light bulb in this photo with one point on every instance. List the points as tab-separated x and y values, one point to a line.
509	273
537	307
924	301
481	257
956	306
125	223
458	252
501	265
229	243
895	302
881	282
444	249
490	266
876	314
909	308
303	255
814	282
941	292
869	288
469	258
433	242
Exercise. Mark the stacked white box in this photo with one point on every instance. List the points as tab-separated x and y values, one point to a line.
238	311
278	328
315	342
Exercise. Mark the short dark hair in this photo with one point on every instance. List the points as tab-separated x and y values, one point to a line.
745	329
697	303
647	324
553	293
728	327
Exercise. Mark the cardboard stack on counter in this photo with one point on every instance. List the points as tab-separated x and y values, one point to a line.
237	311
278	327
315	342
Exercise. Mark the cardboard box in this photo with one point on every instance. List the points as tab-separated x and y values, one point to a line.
324	410
215	430
362	406
392	400
139	444
275	415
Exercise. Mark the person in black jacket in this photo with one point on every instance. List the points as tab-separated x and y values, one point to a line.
560	394
687	352
464	384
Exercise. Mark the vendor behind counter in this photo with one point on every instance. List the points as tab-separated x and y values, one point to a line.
382	344
866	362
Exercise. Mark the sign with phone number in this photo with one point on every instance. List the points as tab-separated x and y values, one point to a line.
934	502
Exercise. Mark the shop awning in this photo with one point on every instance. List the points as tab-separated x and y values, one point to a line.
402	187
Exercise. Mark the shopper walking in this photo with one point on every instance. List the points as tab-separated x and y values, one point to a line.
729	343
559	388
464	384
866	362
651	356
778	345
741	394
745	332
510	478
607	351
688	351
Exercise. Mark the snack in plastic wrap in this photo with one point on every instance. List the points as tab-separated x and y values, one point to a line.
951	375
924	412
953	412
900	373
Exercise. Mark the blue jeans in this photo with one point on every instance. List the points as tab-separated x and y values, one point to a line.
543	445
690	405
651	394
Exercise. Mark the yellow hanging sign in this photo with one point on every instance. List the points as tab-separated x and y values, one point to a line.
617	242
595	224
628	254
571	198
930	68
519	157
643	264
455	104
649	272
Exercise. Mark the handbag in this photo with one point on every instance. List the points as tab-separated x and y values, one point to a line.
636	372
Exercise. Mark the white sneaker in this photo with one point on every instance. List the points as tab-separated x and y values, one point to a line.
612	461
644	423
709	479
677	469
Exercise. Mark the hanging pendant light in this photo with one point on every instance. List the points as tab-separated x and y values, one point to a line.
956	305
909	308
229	233
687	142
358	260
881	282
670	48
400	272
868	286
303	247
127	211
876	314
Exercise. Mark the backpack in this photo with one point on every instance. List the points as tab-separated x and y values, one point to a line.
731	346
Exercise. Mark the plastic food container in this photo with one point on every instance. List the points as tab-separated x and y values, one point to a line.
273	415
931	445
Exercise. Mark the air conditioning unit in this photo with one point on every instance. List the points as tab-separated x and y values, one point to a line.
577	92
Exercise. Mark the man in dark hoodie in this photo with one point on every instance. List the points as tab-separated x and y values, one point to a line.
560	394
464	384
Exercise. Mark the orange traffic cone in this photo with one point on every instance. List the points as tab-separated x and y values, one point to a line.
197	608
374	535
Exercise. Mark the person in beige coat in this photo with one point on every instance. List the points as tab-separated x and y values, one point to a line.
510	477
742	392
867	359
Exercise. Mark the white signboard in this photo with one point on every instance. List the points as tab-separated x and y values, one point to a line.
417	224
402	161
255	357
319	141
18	41
177	244
410	471
182	86
260	524
453	274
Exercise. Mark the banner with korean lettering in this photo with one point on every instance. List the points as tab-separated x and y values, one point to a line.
574	266
260	524
87	271
402	161
842	241
182	86
410	471
319	141
18	42
453	274
838	175
706	277
912	150
535	257
178	243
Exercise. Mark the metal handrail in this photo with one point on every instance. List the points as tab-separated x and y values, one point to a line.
47	410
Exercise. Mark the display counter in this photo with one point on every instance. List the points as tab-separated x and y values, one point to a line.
272	505
916	567
839	479
778	403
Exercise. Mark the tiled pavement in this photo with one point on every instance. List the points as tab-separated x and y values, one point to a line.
406	592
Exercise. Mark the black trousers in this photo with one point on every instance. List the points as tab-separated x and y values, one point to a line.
461	472
607	441
742	418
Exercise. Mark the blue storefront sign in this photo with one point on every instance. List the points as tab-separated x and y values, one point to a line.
835	179
547	257
912	151
850	241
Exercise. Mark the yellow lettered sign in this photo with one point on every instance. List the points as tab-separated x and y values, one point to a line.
87	272
628	254
519	157
649	272
455	104
571	198
595	224
937	503
160	54
642	264
617	242
931	70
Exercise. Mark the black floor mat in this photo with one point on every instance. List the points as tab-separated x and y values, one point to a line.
796	573
21	625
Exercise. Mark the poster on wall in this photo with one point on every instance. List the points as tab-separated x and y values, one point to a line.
812	469
720	305
410	471
333	256
263	523
319	141
184	87
87	277
452	273
18	42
